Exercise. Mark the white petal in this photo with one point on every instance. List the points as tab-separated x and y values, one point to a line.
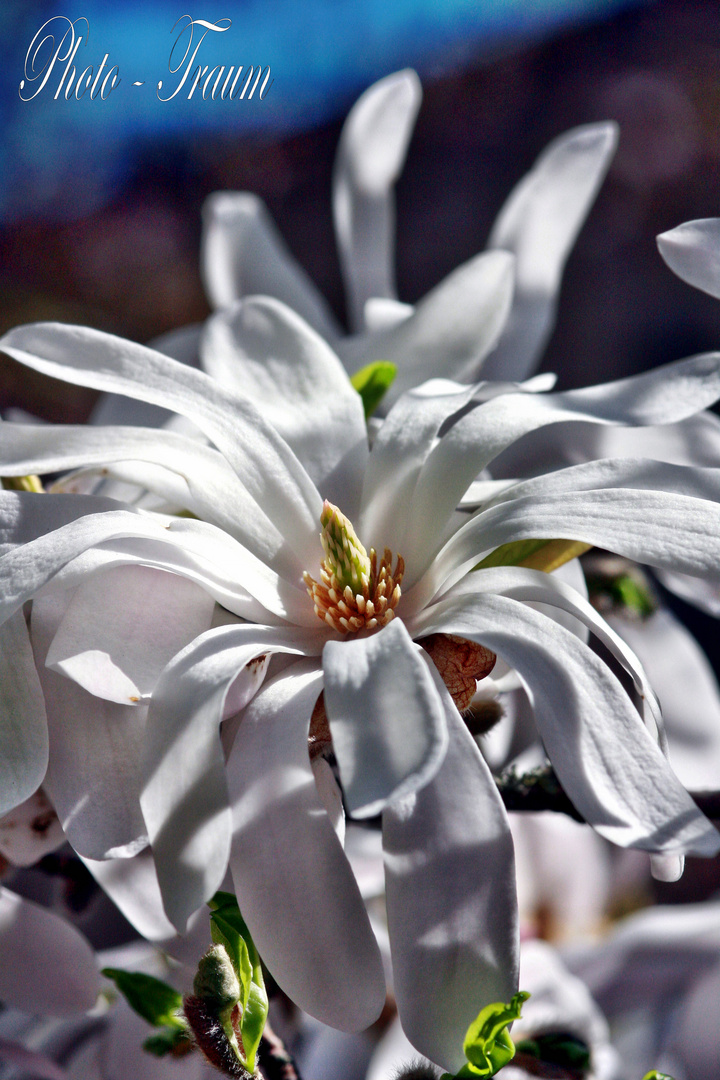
23	725
195	476
703	594
267	466
293	882
452	912
184	798
382	313
48	966
123	626
93	775
652	512
692	251
386	718
538	224
242	254
606	760
30	831
269	355
133	887
449	333
194	549
370	156
688	691
663	395
400	448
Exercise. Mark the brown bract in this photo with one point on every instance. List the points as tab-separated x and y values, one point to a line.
460	664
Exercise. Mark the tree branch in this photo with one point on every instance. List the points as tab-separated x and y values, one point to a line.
540	789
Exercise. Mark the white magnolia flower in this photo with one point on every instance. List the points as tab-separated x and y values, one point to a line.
462	323
656	978
117	592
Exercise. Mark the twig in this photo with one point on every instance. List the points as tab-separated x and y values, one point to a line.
540	789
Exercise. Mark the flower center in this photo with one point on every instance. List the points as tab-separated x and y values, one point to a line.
353	593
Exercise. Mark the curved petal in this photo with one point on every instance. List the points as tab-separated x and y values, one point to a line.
194	549
266	352
538	224
48	966
23	723
123	626
451	905
663	395
133	887
693	441
386	719
634	508
675	664
268	468
605	758
294	884
450	331
243	254
370	155
692	251
555	596
184	797
93	775
702	593
399	450
196	476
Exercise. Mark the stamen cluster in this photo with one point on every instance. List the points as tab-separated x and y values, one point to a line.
353	593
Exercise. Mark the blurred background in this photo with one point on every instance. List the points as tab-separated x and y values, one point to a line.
100	200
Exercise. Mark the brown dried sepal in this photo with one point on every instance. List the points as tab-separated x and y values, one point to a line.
460	663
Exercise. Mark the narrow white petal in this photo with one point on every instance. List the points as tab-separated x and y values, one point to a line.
23	724
692	251
267	353
675	663
451	905
48	966
264	461
184	797
133	887
451	330
605	758
194	475
386	718
242	254
123	626
370	156
538	224
661	514
93	775
664	395
293	882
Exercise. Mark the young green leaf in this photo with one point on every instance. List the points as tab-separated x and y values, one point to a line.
372	383
655	1075
545	555
488	1046
228	928
149	997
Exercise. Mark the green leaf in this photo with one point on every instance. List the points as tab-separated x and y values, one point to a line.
228	928
372	383
488	1046
170	1041
150	998
655	1075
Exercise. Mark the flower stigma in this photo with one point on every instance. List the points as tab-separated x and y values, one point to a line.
354	592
